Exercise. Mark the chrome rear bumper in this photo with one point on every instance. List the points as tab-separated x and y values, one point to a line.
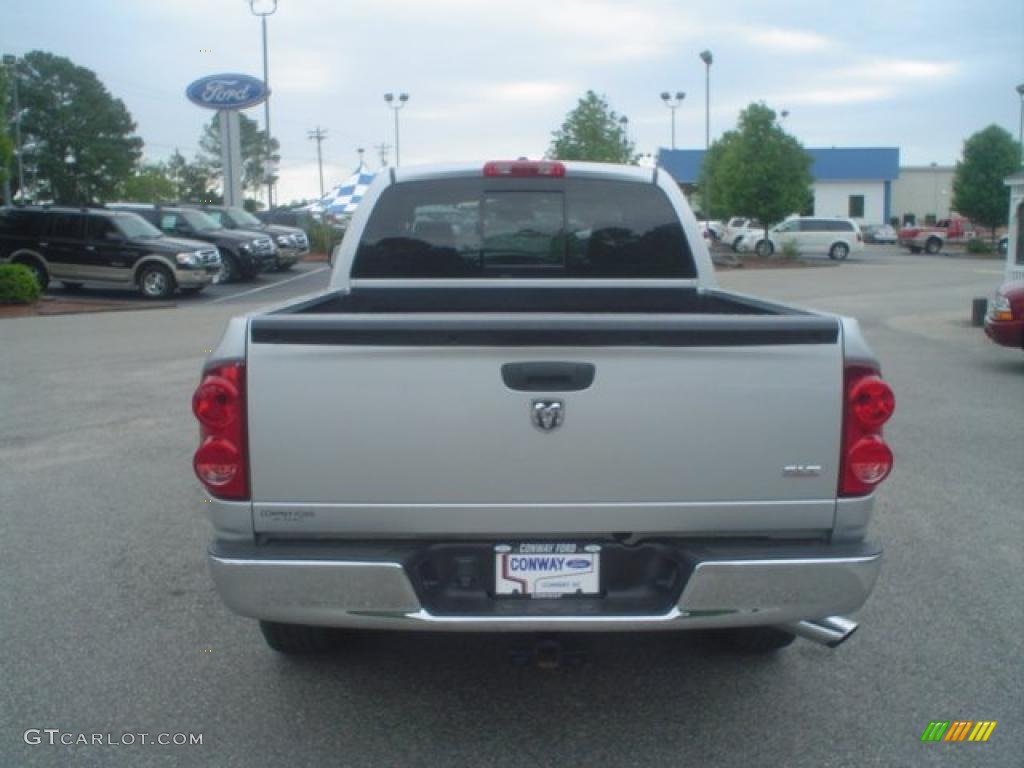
727	592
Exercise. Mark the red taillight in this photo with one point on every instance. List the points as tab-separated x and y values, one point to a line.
524	168
866	459
869	460
871	401
221	463
215	402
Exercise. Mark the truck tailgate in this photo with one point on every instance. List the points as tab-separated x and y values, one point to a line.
404	425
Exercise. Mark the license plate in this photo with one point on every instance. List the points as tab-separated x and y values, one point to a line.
547	569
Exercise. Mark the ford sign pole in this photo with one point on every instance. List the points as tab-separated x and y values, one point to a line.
227	94
231	156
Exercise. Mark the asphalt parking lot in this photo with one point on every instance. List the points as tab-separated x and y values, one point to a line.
110	624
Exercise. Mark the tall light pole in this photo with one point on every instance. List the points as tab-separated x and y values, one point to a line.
707	58
624	124
11	62
396	104
673	102
318	136
1020	134
266	103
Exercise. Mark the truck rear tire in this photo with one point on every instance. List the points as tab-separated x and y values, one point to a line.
933	245
298	639
754	639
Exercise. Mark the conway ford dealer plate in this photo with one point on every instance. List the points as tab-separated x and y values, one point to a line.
547	569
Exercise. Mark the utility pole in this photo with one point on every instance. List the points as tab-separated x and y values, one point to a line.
318	136
382	149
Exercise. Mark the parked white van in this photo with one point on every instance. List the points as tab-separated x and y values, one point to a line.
810	234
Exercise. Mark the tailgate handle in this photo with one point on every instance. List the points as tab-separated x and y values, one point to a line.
547	377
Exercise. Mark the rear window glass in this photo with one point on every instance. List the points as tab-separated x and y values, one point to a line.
477	227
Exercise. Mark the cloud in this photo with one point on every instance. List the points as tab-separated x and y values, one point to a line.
783	40
855	94
900	69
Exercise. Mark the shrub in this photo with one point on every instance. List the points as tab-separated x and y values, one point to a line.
17	285
977	245
790	250
323	237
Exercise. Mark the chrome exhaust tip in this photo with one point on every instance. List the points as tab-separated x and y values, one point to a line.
832	631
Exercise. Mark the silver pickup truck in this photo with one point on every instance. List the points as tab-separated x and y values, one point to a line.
524	405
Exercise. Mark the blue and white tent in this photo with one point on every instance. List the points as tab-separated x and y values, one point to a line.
345	197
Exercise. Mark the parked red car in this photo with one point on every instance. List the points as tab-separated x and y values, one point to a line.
1004	323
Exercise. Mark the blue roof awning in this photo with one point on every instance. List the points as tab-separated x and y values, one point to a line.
830	163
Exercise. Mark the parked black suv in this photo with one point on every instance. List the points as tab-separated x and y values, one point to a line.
292	243
243	254
75	245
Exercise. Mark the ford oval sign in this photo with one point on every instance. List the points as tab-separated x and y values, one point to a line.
227	91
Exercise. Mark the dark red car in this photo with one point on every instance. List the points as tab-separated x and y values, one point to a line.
1004	323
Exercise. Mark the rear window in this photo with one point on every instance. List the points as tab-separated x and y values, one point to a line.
478	227
840	226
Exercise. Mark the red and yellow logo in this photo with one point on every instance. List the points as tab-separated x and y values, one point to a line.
958	730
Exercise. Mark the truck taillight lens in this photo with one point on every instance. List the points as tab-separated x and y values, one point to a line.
221	462
871	401
866	460
215	402
870	460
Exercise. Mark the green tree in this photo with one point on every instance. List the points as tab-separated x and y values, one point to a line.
990	155
254	151
592	131
192	181
83	139
151	184
757	170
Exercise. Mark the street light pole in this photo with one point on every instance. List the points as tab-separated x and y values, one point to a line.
266	103
1020	133
672	103
396	104
707	58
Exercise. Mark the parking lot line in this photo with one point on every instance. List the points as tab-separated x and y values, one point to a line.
267	287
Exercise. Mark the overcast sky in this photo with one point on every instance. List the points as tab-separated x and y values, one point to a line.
492	79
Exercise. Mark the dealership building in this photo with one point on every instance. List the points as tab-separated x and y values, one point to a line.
855	182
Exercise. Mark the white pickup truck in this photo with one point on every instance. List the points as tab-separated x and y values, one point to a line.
524	405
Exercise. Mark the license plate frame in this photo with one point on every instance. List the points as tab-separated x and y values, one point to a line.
546	570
